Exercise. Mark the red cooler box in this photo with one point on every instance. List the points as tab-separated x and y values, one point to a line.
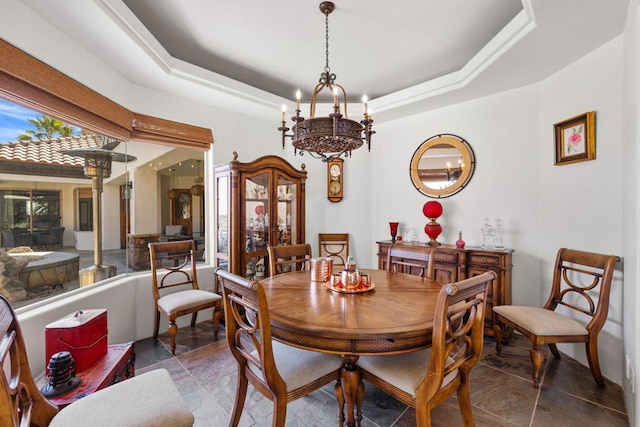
83	334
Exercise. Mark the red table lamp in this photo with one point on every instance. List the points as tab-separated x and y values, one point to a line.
432	210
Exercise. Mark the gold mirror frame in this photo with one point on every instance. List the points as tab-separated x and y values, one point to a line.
459	174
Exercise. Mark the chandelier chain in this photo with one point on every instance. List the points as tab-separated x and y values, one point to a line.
327	69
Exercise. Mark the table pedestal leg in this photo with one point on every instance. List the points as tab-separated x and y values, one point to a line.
350	389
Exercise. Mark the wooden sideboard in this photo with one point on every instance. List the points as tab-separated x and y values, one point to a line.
453	264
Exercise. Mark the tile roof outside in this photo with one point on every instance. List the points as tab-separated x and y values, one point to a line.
47	151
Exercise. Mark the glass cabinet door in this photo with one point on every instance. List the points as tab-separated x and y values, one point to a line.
257	224
222	209
287	209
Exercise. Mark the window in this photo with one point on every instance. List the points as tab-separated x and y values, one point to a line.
29	82
85	209
31	210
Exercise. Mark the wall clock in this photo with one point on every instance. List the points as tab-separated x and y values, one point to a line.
335	180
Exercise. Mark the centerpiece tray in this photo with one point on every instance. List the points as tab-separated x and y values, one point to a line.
339	287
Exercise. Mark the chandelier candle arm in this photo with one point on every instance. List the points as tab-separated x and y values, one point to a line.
334	136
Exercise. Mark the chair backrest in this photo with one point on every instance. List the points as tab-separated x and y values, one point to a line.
458	330
172	264
7	239
283	259
20	397
56	235
174	230
335	246
248	328
412	260
578	274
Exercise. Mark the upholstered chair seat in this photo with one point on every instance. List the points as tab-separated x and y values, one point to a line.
297	366
185	300
129	403
540	321
405	371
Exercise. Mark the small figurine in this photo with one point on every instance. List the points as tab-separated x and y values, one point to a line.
250	269
259	271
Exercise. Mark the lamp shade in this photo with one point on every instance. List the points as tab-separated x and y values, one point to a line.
197	190
432	209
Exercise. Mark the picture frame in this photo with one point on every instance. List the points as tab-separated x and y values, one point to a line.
575	139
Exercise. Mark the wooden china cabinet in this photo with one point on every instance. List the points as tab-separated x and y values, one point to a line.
452	264
259	203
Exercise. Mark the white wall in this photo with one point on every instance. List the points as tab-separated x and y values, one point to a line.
631	161
502	130
581	205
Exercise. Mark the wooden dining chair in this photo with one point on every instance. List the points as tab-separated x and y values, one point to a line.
577	276
411	260
150	399
280	372
173	265
283	259
426	378
335	246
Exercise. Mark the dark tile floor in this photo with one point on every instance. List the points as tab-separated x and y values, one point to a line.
502	392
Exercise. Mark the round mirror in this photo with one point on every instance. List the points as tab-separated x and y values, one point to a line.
442	166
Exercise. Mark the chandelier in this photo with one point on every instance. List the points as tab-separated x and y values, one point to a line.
327	138
173	193
198	188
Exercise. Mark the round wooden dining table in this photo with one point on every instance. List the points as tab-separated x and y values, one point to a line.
396	316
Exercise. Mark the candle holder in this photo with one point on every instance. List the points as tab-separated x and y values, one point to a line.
432	210
393	228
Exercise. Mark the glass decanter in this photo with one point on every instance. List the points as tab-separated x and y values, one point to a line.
488	235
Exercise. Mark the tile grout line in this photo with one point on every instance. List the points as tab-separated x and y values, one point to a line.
540	385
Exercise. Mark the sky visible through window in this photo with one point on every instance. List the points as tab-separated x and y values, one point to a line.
13	121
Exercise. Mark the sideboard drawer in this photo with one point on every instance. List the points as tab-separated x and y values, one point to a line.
449	257
489	260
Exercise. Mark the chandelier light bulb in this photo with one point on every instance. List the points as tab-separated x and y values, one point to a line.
284	113
298	96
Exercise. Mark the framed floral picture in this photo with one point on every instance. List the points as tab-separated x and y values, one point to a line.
576	139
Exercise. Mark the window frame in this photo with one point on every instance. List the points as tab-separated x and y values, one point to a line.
29	82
